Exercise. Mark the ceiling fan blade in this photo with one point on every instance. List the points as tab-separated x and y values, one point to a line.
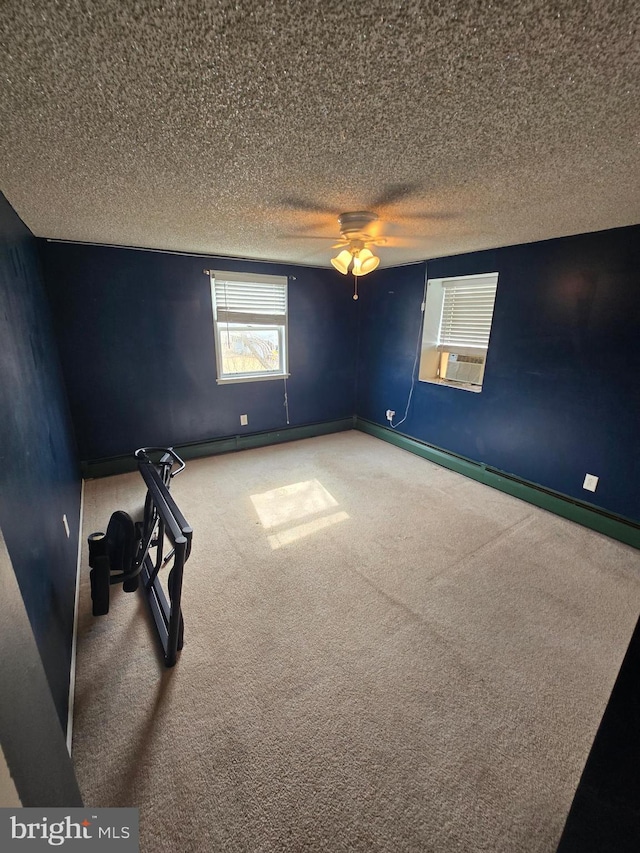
393	193
304	205
400	242
303	236
426	215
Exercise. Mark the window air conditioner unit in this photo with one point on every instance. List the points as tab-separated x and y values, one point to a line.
465	368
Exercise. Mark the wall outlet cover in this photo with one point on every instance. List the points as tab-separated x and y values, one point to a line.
590	482
244	420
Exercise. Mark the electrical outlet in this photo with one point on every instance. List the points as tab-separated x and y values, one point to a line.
390	414
244	420
66	525
590	482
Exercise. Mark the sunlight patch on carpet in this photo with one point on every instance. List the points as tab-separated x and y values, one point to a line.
292	534
291	503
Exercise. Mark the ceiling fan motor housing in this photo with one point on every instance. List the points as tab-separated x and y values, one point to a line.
355	225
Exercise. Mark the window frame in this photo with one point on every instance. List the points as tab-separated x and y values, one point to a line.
434	352
240	320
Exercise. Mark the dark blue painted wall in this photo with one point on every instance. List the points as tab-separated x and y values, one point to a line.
560	397
135	331
561	394
39	480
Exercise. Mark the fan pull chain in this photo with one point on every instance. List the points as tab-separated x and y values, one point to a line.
355	287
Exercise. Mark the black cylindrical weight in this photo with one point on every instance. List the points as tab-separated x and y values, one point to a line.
100	576
97	546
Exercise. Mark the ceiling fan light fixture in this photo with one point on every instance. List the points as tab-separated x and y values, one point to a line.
342	260
357	257
367	262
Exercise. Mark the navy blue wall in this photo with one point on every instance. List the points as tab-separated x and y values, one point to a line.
39	479
561	394
560	397
136	340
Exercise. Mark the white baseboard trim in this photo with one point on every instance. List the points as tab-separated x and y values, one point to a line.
74	639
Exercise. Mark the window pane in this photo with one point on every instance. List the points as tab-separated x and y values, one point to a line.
249	350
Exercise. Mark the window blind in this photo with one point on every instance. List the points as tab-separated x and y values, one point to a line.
248	299
467	312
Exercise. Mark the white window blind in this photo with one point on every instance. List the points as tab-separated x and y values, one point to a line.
467	312
250	299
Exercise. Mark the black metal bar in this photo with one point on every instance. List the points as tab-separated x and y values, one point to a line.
159	607
159	543
163	501
167	453
185	527
167	615
175	594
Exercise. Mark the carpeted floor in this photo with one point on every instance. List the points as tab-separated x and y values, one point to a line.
380	655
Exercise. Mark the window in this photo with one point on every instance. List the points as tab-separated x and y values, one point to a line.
457	325
250	318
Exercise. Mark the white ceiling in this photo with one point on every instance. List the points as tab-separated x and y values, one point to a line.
244	127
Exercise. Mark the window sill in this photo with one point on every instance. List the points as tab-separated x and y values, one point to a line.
461	386
234	380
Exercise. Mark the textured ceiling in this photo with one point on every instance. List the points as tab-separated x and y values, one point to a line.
244	127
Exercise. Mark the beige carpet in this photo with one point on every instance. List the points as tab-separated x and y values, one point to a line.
380	655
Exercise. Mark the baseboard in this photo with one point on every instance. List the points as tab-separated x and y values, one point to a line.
617	527
74	637
123	464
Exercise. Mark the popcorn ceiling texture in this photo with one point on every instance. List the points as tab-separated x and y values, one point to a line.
244	128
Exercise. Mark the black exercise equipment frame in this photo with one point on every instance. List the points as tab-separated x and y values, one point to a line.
163	517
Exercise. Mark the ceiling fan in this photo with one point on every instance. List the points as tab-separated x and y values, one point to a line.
355	231
360	229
